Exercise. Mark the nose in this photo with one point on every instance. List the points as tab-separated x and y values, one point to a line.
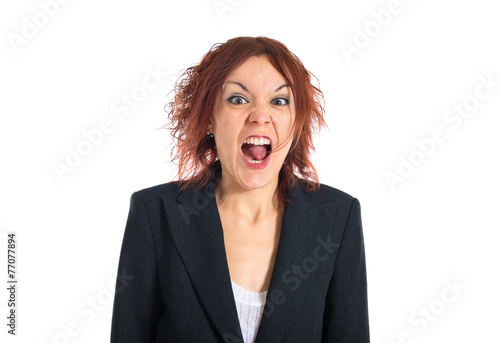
260	114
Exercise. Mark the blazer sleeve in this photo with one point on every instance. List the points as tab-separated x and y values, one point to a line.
346	310
137	302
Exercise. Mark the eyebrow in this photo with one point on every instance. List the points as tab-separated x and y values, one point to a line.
246	89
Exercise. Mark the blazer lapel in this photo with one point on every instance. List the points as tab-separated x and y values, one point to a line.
200	242
283	302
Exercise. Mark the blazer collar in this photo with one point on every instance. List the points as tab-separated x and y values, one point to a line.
200	244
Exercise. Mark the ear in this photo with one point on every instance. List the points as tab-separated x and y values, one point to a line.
210	126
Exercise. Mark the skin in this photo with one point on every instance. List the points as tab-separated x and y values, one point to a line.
246	197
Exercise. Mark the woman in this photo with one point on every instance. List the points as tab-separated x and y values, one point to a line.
247	246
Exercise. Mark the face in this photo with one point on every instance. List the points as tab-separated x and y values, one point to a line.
254	113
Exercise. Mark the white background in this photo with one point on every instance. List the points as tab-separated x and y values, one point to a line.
62	73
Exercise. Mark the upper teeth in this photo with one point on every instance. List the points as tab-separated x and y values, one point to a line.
258	141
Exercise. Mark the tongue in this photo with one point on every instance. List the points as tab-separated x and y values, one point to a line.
255	152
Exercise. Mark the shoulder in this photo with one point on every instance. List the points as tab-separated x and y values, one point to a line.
322	194
166	191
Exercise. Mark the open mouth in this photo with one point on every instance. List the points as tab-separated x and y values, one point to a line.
256	149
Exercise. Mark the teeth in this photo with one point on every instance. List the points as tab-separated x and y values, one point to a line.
254	161
258	141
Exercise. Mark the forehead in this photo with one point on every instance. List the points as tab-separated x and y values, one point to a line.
256	69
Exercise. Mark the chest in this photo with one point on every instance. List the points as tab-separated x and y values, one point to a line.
251	250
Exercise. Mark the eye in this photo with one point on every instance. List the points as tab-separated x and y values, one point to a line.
280	101
237	100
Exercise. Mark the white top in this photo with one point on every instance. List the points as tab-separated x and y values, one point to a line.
250	306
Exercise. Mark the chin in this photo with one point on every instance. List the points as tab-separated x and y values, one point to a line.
252	181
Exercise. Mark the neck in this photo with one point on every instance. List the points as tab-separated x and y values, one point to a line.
253	204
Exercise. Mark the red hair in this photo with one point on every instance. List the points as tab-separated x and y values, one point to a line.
195	93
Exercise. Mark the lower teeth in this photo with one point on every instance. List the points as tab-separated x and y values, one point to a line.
255	162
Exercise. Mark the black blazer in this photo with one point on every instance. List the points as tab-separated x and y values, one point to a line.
173	281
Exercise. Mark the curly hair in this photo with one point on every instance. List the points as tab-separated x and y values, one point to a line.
195	93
